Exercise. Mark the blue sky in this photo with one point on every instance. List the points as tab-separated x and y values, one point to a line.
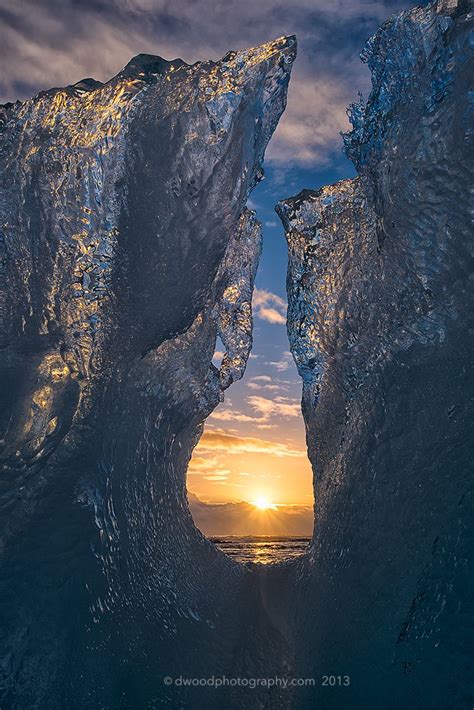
48	43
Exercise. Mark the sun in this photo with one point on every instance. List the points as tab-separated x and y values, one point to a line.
263	503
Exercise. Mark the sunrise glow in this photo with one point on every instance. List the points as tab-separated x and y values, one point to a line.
263	503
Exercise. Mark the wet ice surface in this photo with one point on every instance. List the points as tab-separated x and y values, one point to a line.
380	323
127	250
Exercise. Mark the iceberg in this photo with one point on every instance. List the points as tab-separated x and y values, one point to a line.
127	248
380	327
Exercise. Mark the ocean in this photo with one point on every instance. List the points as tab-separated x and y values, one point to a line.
263	549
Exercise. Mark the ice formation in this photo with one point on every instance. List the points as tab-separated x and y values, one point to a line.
380	326
126	249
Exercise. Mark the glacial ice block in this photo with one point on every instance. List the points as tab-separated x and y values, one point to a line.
380	322
126	248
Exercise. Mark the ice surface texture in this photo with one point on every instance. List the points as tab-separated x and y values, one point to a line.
126	248
380	323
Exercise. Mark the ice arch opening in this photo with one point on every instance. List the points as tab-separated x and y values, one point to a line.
249	480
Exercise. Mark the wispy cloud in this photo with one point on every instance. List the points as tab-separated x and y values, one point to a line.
230	415
280	365
269	410
199	464
280	406
264	298
258	386
217	358
316	114
52	43
269	307
219	476
283	364
208	468
218	441
271	315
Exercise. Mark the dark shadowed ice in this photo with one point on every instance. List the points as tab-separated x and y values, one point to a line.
380	323
126	250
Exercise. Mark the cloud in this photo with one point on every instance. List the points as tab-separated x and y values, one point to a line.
280	365
218	476
269	307
213	441
229	415
280	406
261	297
271	316
258	386
283	364
309	130
199	464
208	468
265	407
54	43
46	44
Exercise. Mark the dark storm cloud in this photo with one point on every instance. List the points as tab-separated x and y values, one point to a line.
57	42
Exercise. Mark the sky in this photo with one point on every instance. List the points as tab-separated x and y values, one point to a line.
254	443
